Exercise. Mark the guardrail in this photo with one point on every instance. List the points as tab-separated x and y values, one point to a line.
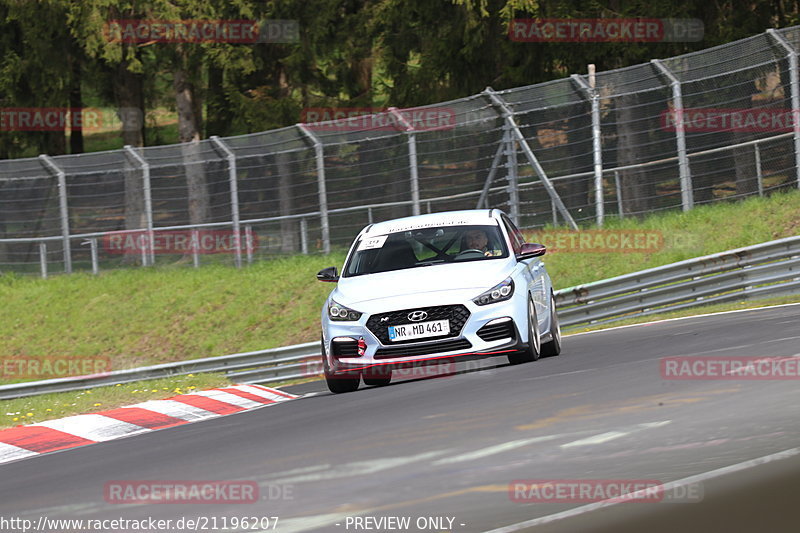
768	269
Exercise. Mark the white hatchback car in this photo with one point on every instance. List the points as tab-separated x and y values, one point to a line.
436	288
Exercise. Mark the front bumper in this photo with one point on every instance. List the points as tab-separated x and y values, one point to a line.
490	330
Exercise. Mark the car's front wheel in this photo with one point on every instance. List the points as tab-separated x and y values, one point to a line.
339	382
553	346
533	350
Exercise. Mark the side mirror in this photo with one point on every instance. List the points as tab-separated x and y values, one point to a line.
530	249
328	274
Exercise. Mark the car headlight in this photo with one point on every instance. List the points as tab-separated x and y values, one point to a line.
341	313
499	293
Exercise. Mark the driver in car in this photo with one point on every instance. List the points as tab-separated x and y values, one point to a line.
476	239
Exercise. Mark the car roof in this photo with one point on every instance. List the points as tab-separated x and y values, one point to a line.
467	217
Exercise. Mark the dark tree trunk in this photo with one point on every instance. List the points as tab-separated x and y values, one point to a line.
218	116
129	95
576	190
189	136
75	101
638	192
288	227
744	158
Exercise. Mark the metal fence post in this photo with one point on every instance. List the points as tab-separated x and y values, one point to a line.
511	175
618	186
143	248
687	193
93	252
304	235
794	83
321	190
234	188
597	146
508	116
43	259
412	158
484	197
148	205
50	165
195	248
248	243
759	173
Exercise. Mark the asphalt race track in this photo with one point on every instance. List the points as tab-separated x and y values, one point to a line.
442	449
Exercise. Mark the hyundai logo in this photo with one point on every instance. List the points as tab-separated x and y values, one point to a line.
416	316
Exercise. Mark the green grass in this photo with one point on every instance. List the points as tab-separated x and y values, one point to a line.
23	411
703	230
147	316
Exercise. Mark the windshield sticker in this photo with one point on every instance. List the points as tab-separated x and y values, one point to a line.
372	242
435	224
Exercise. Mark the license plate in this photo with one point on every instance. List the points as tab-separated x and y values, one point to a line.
434	328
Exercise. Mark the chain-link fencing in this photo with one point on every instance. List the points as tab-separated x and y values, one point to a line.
712	125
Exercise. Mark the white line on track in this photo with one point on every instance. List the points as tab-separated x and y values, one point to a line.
612	435
492	450
666	487
596	439
681	318
358	468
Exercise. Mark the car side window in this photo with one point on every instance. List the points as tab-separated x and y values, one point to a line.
517	240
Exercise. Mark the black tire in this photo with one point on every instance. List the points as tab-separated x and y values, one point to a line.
533	350
339	382
553	347
377	377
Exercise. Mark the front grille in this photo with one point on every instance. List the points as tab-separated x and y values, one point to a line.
456	314
344	348
494	332
423	349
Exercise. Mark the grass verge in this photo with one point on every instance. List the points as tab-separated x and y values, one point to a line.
33	409
139	316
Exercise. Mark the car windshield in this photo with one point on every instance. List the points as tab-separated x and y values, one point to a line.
425	247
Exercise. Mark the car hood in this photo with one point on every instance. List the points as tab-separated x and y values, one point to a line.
470	277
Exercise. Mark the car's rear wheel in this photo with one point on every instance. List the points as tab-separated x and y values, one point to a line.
553	347
339	382
377	376
533	350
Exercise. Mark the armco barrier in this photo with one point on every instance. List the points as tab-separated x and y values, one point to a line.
767	269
